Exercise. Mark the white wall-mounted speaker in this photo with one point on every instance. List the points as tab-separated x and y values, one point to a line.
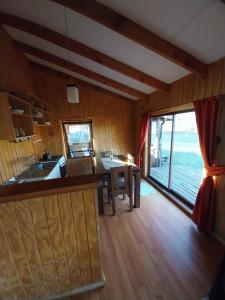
72	93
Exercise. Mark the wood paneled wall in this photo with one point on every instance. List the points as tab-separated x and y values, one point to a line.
185	91
49	244
188	89
48	138
113	119
16	76
15	157
15	72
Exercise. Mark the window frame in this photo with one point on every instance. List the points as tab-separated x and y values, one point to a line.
65	137
173	113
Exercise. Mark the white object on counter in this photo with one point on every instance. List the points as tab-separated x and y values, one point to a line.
55	173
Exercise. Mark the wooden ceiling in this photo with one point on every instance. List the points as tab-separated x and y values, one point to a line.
78	69
122	75
107	17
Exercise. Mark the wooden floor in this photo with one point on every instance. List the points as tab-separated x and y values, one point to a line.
154	253
187	188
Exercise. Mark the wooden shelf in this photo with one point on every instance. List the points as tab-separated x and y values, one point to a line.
21	115
47	113
36	108
24	138
13	123
42	125
17	98
41	106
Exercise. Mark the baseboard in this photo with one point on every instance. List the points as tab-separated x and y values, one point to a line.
75	291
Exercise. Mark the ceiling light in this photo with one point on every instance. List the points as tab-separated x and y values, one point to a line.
72	93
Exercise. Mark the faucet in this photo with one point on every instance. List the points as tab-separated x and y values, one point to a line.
30	160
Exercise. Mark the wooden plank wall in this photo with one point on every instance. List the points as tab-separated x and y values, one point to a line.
114	125
184	91
14	157
15	72
15	76
48	139
49	244
188	89
113	119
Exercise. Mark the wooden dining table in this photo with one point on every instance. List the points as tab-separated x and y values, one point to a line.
102	166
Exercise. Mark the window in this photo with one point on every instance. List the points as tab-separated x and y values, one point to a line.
175	159
78	138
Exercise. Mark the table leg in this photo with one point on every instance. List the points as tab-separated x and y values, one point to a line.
137	185
100	201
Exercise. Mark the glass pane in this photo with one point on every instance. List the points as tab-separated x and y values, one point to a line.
78	133
187	163
160	147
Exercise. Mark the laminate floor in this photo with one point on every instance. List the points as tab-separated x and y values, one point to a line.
154	253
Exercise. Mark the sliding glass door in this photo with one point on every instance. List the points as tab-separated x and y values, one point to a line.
160	148
174	154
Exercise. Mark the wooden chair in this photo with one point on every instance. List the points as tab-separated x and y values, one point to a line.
121	183
79	166
105	178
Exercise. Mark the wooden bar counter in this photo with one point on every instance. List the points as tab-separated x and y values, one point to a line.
49	238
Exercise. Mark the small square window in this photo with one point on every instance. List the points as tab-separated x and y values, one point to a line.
78	138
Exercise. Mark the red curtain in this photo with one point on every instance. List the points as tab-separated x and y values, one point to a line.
142	136
206	117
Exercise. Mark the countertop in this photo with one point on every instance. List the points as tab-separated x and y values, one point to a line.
37	171
28	190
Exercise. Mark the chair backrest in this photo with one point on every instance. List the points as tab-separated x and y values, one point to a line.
121	180
79	166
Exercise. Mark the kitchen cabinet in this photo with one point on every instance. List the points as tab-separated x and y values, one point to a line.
19	115
40	111
15	118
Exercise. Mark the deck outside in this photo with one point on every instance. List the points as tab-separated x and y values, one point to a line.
187	188
175	156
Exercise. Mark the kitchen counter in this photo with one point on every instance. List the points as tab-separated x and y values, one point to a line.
41	170
38	171
50	221
16	192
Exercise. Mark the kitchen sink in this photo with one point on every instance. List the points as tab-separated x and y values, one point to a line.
41	170
35	171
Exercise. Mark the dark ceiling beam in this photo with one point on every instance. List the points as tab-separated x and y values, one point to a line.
81	49
79	82
115	21
78	69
